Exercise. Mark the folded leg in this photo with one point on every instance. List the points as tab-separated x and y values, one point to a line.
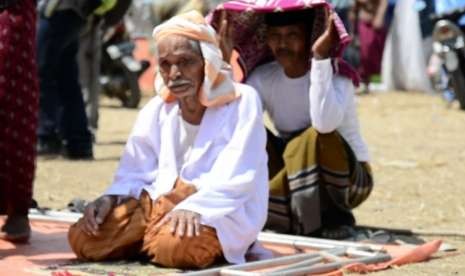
119	237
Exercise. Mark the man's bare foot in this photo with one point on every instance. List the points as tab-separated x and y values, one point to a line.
16	229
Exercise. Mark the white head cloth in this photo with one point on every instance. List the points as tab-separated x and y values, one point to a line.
218	87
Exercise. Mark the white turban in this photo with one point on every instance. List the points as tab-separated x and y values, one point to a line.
218	87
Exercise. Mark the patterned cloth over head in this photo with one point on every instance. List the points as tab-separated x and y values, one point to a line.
248	22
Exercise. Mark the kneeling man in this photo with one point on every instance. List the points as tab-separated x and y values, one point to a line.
192	184
319	163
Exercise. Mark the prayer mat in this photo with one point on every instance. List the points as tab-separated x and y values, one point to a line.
105	268
48	253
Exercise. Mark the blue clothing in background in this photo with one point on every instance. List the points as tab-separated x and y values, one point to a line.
425	8
62	113
449	5
390	13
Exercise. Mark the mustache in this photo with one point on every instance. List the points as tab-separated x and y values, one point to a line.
175	83
284	52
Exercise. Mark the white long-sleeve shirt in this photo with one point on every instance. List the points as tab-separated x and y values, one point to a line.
319	99
227	164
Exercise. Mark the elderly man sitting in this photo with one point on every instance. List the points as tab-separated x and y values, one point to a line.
192	184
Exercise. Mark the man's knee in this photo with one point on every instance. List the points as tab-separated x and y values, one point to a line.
81	243
119	237
102	247
188	252
362	185
334	152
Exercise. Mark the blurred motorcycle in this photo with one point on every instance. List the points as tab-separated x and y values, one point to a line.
120	71
449	46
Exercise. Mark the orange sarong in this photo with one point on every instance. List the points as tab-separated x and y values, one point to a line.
127	234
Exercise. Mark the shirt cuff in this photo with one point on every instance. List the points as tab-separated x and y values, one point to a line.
322	70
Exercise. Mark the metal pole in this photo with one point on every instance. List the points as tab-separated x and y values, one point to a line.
332	266
322	255
232	272
319	243
256	265
352	248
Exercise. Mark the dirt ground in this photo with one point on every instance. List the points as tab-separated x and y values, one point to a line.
418	152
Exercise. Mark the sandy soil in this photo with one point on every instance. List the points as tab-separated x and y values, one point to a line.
418	152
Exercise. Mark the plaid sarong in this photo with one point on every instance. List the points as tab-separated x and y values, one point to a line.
312	174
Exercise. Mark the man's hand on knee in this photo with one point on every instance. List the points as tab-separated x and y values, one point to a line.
182	223
96	212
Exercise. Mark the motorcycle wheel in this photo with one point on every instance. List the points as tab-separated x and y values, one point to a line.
458	83
130	98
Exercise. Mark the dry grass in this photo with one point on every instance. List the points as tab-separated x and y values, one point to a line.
418	152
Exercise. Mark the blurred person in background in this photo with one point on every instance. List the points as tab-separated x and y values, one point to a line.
63	125
343	8
371	31
19	94
90	57
404	55
425	8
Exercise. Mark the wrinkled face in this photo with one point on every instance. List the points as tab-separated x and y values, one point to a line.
288	44
181	65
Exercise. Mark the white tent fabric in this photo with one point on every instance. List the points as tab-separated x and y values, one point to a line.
404	62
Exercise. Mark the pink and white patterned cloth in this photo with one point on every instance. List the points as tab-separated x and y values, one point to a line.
248	22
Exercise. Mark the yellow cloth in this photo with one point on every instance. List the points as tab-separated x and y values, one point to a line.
313	171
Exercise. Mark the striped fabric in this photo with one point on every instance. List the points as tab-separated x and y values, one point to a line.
217	88
303	178
315	168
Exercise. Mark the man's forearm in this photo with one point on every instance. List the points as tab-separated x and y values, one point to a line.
327	104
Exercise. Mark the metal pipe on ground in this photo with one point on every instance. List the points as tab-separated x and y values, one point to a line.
317	243
255	265
322	256
332	266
